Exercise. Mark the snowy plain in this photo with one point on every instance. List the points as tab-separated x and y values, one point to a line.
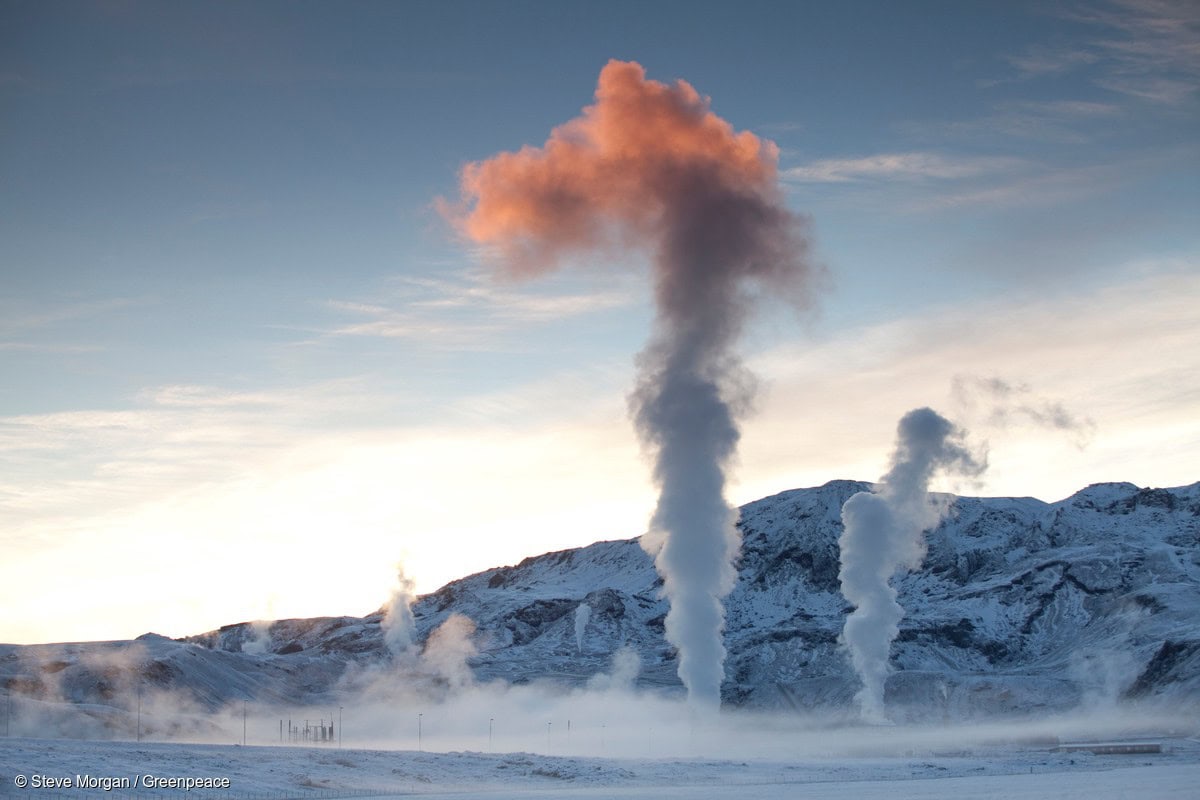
998	770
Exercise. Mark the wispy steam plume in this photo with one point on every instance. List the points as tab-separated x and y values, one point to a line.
448	650
649	166
399	625
1007	403
883	532
583	613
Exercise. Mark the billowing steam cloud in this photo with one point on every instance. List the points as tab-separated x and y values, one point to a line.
884	531
649	166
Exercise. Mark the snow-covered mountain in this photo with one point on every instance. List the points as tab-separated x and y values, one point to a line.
1020	605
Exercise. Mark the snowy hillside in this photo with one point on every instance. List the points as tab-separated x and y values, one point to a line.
1021	606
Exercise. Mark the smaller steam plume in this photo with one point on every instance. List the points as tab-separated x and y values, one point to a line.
883	532
399	626
622	675
448	649
582	614
259	642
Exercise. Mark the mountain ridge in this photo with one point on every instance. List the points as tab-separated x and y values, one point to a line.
1020	606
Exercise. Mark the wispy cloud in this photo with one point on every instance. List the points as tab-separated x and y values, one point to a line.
1148	49
1043	60
211	471
16	319
1029	189
191	396
48	347
33	328
911	166
928	181
1052	121
465	309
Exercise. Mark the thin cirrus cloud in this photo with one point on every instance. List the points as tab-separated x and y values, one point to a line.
1148	49
47	328
1029	121
910	166
71	464
1040	60
1041	188
467	309
24	320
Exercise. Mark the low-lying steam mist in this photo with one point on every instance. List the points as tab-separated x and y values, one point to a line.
883	532
648	166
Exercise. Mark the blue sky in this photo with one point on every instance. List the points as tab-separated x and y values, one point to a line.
237	340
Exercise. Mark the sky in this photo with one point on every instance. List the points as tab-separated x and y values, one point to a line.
247	367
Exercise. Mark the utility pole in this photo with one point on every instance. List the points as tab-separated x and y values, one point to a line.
491	726
419	750
548	724
243	723
339	727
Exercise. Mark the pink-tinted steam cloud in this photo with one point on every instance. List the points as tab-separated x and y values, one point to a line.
649	166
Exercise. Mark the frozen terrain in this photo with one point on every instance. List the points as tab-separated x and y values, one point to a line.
1030	625
976	771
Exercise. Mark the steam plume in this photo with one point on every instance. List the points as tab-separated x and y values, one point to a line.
649	166
399	625
884	531
259	641
583	613
448	650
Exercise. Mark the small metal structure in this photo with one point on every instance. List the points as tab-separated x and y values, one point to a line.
310	733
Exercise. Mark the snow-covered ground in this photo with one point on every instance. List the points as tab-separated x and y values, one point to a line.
987	771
